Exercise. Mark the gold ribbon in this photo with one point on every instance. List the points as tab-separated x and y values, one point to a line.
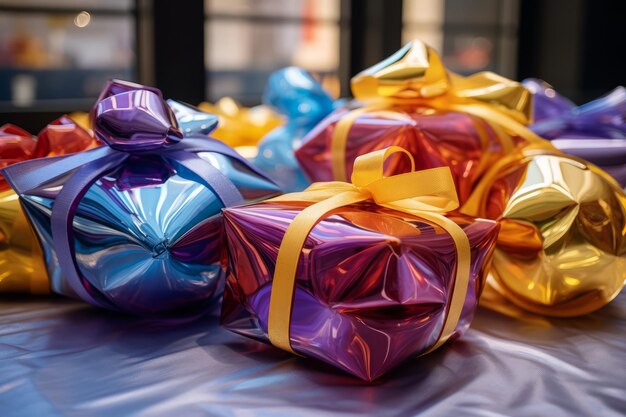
416	76
426	194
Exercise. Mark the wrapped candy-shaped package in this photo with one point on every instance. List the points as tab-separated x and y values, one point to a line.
561	250
21	260
241	127
360	275
595	131
295	94
442	119
136	225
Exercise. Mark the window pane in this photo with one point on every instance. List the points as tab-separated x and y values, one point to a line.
308	9
484	12
470	52
46	57
471	36
432	35
256	38
72	4
423	11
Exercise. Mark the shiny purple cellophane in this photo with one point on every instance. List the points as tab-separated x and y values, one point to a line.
372	284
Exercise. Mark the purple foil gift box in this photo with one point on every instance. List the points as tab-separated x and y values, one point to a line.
372	285
136	225
594	131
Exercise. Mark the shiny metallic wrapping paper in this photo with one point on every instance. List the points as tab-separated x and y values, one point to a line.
122	222
435	138
147	233
411	100
562	245
372	286
21	260
594	131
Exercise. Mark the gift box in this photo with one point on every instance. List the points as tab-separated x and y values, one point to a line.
21	260
361	276
595	131
293	93
242	127
561	249
443	119
135	226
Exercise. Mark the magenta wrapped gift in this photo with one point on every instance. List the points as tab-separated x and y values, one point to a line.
136	225
347	274
594	131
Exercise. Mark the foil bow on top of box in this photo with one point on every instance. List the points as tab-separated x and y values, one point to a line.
136	225
361	275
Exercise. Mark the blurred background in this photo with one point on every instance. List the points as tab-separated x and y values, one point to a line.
55	55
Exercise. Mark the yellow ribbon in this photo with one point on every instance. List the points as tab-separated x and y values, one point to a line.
416	76
426	194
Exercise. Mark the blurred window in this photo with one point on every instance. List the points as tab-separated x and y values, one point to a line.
248	39
58	54
471	36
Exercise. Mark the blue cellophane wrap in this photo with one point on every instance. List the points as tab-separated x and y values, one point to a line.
147	233
293	93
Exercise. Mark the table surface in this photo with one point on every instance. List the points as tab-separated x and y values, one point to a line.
62	358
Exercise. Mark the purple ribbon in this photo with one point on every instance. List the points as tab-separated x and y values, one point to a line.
556	116
131	122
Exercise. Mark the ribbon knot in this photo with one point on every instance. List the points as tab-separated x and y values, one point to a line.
425	194
136	121
366	193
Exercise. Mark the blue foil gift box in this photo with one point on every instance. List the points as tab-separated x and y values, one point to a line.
136	226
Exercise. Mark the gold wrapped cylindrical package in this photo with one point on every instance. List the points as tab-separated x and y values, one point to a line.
561	250
22	269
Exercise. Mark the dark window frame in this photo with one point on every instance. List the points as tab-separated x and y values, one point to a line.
160	62
34	118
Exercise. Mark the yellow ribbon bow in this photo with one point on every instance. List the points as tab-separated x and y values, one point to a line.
416	76
426	194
